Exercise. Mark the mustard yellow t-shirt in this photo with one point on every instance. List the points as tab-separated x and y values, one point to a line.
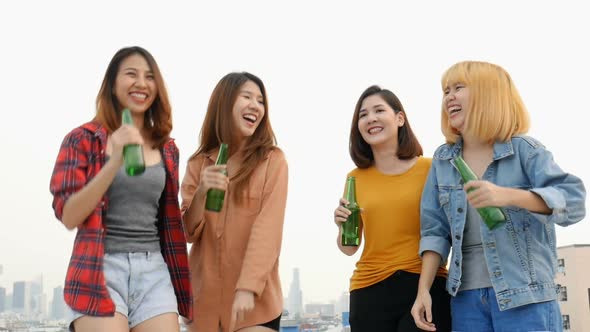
391	222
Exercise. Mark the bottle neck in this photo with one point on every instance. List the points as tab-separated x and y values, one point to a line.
222	155
351	190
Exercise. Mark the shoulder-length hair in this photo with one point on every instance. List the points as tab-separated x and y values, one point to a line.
218	127
157	120
496	111
360	150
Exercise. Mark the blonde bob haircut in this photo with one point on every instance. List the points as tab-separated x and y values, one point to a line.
496	111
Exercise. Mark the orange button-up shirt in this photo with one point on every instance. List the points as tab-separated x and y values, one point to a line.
238	247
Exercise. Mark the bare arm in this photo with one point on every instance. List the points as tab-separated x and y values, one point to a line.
422	309
80	204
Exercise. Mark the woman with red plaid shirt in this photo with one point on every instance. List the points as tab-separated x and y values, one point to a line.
129	269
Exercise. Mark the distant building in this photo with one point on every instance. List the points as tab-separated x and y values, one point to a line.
38	298
320	309
295	299
573	270
58	305
2	299
343	304
8	302
21	297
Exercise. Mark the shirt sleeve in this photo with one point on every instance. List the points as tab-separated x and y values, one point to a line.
264	244
70	170
435	233
564	193
189	186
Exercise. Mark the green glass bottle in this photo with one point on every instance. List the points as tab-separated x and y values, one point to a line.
132	153
350	228
492	216
215	197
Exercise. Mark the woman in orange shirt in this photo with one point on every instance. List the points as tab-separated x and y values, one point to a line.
235	252
390	175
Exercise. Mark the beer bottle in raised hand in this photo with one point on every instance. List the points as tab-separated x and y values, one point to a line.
350	228
215	197
132	153
492	216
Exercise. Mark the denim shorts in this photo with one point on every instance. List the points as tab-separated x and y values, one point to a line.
139	284
477	310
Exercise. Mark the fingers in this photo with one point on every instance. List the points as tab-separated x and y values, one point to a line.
232	321
341	213
127	134
424	324
429	314
422	312
472	185
243	303
212	177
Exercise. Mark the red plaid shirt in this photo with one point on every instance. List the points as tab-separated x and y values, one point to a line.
80	158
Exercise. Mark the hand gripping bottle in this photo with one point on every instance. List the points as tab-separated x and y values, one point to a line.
215	197
492	216
350	228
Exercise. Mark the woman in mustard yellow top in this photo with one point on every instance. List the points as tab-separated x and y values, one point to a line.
390	176
234	258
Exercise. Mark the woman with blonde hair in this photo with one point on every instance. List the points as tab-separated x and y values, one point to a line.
500	279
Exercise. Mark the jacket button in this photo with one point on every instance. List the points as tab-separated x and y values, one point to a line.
458	237
457	263
460	210
454	289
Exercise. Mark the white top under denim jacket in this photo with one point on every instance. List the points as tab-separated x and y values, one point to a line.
520	254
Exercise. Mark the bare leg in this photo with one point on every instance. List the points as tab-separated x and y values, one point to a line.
163	322
256	329
117	323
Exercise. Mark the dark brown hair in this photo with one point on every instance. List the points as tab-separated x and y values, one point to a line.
360	150
157	120
218	127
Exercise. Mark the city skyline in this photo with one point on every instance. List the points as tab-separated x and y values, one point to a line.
315	59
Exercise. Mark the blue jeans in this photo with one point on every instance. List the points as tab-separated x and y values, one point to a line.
477	310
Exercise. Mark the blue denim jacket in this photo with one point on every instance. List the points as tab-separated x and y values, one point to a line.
520	254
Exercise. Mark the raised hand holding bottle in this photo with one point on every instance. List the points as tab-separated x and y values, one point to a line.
350	228
132	153
492	216
215	197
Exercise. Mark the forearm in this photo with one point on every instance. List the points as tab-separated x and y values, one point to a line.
430	264
526	200
81	204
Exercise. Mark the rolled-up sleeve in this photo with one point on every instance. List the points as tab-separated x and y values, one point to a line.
70	170
434	227
188	188
564	193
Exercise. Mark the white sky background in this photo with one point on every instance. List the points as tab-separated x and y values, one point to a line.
315	57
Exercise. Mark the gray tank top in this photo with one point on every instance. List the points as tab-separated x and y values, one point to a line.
474	268
132	214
